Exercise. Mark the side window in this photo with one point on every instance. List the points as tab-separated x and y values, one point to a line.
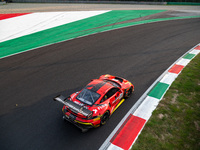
103	99
115	90
110	93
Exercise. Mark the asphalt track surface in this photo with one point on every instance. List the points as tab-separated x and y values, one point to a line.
30	119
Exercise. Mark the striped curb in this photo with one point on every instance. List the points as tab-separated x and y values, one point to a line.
135	120
23	24
37	30
7	16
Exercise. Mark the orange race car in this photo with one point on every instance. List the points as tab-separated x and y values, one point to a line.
94	104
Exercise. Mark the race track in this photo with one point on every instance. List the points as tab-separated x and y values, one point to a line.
30	119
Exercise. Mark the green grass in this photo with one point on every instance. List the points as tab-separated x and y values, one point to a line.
175	124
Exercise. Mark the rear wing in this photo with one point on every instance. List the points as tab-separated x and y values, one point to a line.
73	106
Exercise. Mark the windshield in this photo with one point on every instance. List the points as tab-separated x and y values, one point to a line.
87	96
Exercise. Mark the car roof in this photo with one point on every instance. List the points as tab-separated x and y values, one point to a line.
100	86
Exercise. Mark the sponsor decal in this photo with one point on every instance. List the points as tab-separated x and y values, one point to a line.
72	107
98	108
118	98
81	104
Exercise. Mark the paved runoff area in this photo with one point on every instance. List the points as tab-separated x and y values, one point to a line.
42	7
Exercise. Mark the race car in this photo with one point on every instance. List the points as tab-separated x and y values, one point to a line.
96	102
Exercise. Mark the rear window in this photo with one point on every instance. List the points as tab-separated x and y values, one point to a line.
87	96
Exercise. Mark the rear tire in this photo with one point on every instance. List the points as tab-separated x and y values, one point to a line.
130	91
105	118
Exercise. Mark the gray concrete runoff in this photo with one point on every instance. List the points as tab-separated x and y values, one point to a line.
49	7
2	3
89	2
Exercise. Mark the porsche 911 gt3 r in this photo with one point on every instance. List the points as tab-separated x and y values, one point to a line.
94	104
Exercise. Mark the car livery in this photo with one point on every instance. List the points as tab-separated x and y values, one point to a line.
94	104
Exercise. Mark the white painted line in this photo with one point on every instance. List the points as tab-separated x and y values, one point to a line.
146	108
169	78
114	147
183	62
31	23
195	52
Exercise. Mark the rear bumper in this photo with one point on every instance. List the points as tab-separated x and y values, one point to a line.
81	125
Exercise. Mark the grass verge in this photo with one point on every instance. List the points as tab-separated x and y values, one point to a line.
175	124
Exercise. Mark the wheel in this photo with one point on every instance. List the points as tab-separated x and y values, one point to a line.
105	118
130	92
